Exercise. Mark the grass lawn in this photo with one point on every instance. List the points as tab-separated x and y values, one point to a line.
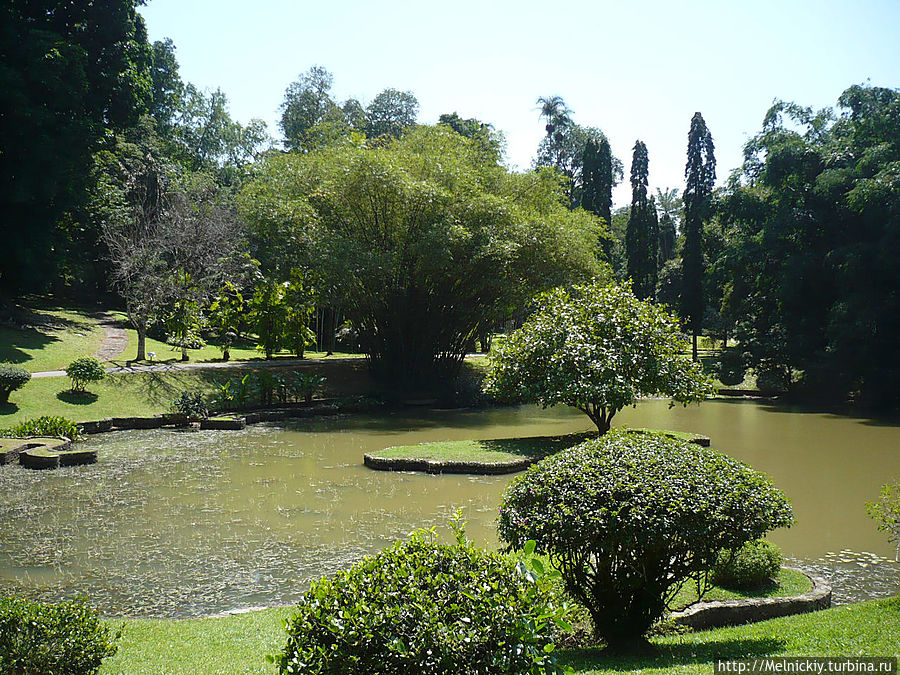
500	450
52	339
238	643
242	351
235	644
864	629
145	394
789	582
503	449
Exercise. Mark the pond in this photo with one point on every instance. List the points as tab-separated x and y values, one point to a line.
179	524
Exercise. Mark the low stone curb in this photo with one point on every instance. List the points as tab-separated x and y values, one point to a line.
435	466
704	615
45	452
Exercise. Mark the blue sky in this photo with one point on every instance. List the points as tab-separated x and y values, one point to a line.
637	70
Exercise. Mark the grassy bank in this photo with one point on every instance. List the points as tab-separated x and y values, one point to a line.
238	644
148	393
51	338
788	583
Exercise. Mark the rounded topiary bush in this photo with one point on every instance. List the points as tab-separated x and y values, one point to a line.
84	370
731	367
11	378
749	567
63	639
424	607
628	518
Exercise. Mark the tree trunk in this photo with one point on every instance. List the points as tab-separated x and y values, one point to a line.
694	347
141	345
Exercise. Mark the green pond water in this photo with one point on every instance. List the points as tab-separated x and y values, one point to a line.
180	524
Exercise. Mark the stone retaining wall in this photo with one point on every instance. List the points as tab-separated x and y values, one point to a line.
436	466
703	615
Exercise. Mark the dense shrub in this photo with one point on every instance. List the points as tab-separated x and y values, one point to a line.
306	385
886	512
63	639
749	567
84	370
771	382
44	426
628	518
11	378
731	367
190	404
425	607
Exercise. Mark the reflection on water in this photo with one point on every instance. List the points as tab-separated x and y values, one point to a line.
186	524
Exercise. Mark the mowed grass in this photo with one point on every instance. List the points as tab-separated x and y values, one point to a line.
487	451
502	449
243	350
864	629
787	583
149	393
236	645
52	339
239	643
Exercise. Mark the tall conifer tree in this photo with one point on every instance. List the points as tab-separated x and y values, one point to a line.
641	235
700	176
597	184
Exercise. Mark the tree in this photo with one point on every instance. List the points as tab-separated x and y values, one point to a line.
172	240
267	307
490	140
597	179
306	102
886	512
422	243
700	176
628	518
390	113
641	237
69	72
167	88
559	119
670	206
597	348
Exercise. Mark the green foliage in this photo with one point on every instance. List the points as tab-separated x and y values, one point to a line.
190	404
596	348
813	242
70	73
390	113
886	512
84	370
750	567
422	242
700	177
627	518
642	235
44	426
421	606
226	315
58	639
306	385
772	381
267	309
731	367
11	378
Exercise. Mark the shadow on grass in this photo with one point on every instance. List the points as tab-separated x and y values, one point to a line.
669	655
537	446
13	341
8	408
77	397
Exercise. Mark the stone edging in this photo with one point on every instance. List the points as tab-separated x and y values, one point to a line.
703	615
45	452
436	466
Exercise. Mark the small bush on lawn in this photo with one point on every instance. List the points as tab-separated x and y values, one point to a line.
748	568
731	367
62	639
11	378
627	519
425	607
44	426
190	404
84	370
